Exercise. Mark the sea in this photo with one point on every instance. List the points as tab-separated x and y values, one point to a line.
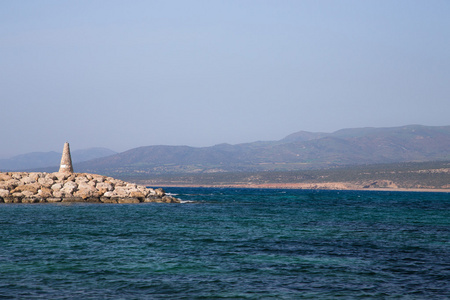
225	243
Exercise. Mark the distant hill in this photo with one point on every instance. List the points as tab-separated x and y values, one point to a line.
38	160
298	151
408	175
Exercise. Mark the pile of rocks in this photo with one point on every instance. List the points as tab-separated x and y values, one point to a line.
24	187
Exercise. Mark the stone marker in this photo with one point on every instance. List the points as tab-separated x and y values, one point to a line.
67	186
66	160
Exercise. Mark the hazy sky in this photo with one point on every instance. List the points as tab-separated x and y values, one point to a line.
123	74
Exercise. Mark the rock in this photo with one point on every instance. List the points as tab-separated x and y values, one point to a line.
104	186
4	193
108	200
31	188
72	177
29	178
118	183
108	194
28	194
128	200
5	177
9	184
58	194
46	182
69	188
51	176
9	199
98	178
85	190
61	176
30	200
81	179
121	191
72	199
145	191
93	200
53	199
56	186
45	192
170	199
17	187
17	175
137	194
160	192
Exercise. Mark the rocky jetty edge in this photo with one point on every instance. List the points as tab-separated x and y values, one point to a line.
36	187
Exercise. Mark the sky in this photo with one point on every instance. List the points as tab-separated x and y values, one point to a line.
125	74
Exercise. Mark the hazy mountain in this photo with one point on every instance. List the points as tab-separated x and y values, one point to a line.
301	150
88	154
36	160
303	136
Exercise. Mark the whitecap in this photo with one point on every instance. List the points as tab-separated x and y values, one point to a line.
186	201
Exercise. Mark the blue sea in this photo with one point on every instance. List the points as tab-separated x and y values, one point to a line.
231	244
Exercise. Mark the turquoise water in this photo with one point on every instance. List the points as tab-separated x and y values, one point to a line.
232	244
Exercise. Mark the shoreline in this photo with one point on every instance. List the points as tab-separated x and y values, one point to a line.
294	186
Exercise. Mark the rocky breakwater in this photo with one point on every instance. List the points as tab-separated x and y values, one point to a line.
24	187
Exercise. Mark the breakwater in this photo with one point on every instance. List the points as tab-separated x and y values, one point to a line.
37	187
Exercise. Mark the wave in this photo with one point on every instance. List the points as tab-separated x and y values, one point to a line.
187	201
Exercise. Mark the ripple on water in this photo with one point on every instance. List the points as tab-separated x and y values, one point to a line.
280	244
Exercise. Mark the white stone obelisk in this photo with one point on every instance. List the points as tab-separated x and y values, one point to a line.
66	160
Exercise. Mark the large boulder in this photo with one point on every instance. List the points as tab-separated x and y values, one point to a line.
30	188
5	176
69	188
104	187
128	200
85	190
45	181
160	192
4	193
45	192
108	199
29	178
9	184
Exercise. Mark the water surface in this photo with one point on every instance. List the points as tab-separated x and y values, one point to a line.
232	244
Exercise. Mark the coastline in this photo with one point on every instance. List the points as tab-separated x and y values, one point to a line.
309	186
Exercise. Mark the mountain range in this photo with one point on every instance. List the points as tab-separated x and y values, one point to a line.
299	151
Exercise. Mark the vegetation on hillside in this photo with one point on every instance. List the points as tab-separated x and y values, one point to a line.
301	151
403	175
